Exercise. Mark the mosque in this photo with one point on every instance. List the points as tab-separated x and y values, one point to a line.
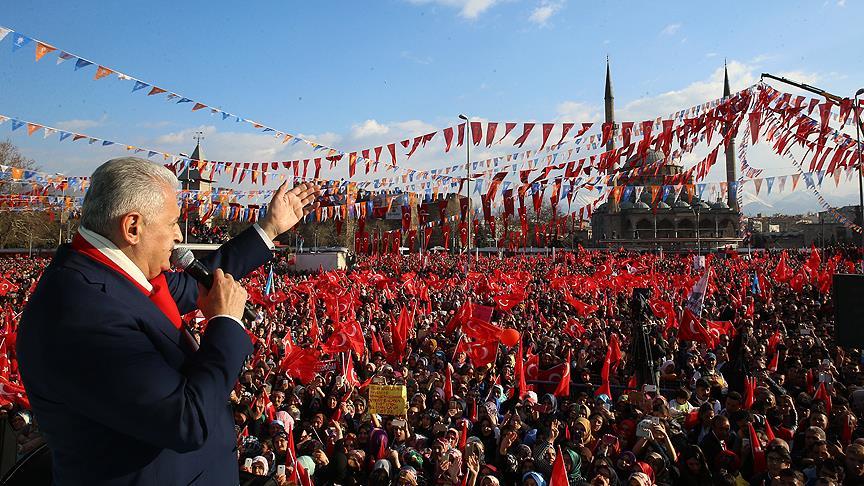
675	222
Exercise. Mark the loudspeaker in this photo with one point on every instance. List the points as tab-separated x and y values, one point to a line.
849	310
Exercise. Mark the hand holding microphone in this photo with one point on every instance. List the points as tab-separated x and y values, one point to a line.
220	294
225	297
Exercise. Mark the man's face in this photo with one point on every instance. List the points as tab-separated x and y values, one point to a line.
159	235
721	429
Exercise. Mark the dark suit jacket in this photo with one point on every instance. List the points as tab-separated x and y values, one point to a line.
119	395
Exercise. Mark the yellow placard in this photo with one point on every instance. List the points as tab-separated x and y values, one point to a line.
388	399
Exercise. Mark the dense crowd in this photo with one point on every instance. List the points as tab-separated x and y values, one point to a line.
539	370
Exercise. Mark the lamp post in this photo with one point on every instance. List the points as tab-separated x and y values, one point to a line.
468	185
695	209
860	183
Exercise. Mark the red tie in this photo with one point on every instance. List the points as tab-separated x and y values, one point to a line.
160	296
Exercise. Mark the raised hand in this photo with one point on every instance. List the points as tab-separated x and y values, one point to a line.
288	207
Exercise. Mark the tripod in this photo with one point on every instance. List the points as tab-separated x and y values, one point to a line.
643	356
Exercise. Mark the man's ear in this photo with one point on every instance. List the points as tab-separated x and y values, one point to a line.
130	228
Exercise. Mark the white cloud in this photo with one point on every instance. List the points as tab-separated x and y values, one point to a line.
670	29
543	12
424	60
740	76
80	124
841	3
368	128
469	9
576	111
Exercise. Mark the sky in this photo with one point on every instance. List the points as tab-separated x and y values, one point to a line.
354	75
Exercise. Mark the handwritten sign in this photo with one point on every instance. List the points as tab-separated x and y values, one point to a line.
388	399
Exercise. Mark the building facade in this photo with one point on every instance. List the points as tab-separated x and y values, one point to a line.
652	215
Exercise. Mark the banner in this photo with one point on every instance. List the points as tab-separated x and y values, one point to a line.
388	399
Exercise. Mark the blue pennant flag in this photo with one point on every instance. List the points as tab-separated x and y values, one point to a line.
64	135
184	100
106	143
755	288
16	124
628	190
808	178
139	85
19	41
150	153
81	63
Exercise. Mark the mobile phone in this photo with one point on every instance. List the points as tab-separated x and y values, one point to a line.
248	463
398	423
280	469
649	389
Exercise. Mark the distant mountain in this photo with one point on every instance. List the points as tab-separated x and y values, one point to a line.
798	202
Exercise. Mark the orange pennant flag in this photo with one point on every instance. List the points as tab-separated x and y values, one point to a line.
155	90
101	72
42	49
198	106
32	127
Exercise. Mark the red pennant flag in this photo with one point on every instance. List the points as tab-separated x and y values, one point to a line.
448	383
759	462
448	138
490	133
526	131
559	471
520	371
822	394
508	127
547	129
476	132
563	389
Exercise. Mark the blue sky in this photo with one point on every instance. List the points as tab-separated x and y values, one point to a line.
356	74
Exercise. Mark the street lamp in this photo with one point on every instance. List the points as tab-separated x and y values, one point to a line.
468	182
695	209
860	183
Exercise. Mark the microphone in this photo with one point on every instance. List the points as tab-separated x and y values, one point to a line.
183	259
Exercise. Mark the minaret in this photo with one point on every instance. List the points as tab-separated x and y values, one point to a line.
731	163
609	102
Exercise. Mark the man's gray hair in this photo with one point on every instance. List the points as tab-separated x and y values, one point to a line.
121	186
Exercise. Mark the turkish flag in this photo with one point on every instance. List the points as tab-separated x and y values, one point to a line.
782	273
6	286
574	328
302	363
506	302
822	394
582	309
563	389
691	330
482	353
346	336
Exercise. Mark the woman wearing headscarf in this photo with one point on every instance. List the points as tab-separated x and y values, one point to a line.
603	472
573	464
532	478
640	479
376	448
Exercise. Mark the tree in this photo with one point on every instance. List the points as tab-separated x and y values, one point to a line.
23	228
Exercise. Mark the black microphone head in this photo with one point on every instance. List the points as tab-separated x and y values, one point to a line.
181	258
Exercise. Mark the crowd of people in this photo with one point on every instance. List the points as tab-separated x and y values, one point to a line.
536	370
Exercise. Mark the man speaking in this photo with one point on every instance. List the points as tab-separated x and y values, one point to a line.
120	391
